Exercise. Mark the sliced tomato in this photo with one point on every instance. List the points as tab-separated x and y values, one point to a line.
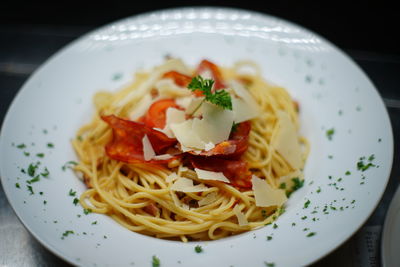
179	78
234	147
126	144
156	115
236	171
207	66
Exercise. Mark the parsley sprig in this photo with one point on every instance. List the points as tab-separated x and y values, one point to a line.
219	97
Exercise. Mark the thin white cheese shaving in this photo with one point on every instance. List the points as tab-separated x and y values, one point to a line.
242	220
162	157
148	151
186	185
216	124
210	198
171	177
265	195
194	107
243	110
147	85
186	136
286	142
173	116
209	175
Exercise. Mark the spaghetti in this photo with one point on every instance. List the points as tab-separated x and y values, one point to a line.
143	172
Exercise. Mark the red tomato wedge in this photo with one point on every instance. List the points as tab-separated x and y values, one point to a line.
156	115
126	144
236	171
206	66
235	146
179	78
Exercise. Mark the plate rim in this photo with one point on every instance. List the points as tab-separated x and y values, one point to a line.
85	36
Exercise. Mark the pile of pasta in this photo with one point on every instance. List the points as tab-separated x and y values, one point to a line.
162	161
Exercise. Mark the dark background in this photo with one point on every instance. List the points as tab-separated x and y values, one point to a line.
370	26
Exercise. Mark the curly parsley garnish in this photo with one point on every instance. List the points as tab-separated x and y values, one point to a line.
220	97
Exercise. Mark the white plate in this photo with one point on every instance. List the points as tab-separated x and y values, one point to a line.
333	93
391	234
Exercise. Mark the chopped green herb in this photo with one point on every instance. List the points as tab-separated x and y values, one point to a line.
26	153
304	217
198	249
269	264
69	164
87	211
264	213
66	233
269	238
30	189
76	201
347	173
72	193
361	166
50	145
45	131
281	210
293	224
36	179
104	236
297	183
275	226
330	133
330	157
371	158
311	234
95	222
155	261
32	169
306	204
40	155
282	186
44	202
17	185
21	146
45	173
318	190
220	98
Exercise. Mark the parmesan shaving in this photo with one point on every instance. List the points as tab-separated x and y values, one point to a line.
286	141
265	195
147	85
148	151
209	175
210	198
173	115
162	157
186	136
216	124
186	185
242	220
171	177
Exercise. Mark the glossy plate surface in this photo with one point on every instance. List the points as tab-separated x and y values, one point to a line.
342	115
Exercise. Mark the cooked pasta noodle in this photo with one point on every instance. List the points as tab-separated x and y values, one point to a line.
140	196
